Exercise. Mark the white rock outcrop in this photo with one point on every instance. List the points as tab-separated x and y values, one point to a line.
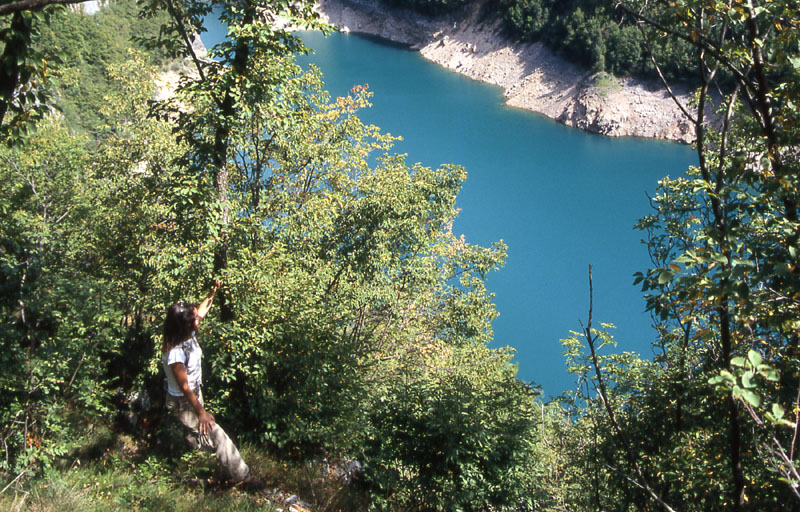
532	76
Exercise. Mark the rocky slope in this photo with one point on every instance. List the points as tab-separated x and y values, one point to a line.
532	76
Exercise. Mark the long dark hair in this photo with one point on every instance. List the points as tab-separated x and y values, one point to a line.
179	324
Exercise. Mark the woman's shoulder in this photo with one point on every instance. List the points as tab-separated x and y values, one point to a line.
178	353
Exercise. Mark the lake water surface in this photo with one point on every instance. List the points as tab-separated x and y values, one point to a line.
560	198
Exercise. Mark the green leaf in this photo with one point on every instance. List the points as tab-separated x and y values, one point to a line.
719	258
738	361
778	411
724	378
751	397
754	357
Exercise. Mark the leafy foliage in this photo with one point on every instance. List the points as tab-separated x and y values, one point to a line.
458	437
83	49
354	323
722	291
346	292
66	309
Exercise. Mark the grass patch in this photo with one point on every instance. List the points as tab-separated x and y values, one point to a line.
605	84
123	474
137	487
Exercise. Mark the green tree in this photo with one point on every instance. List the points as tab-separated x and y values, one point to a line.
345	275
227	88
740	259
723	240
527	18
625	50
21	74
76	213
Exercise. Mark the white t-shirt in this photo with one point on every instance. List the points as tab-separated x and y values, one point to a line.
190	355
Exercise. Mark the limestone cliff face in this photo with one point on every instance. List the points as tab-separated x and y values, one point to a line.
532	76
626	108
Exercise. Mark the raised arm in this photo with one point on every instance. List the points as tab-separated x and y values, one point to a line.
205	305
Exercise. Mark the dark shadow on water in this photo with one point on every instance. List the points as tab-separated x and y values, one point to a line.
379	40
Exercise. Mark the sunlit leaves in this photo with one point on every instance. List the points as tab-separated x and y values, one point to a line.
724	284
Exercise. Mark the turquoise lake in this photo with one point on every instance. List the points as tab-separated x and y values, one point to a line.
560	198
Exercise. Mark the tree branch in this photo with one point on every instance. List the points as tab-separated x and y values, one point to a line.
34	5
179	23
601	388
661	76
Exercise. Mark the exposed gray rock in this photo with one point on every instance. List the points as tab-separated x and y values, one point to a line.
532	76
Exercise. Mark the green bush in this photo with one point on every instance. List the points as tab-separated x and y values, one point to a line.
462	439
55	332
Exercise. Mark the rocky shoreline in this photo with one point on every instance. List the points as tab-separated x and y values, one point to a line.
531	75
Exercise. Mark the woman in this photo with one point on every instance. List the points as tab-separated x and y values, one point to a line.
181	357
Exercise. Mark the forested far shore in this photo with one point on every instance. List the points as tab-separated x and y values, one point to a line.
473	40
348	350
598	34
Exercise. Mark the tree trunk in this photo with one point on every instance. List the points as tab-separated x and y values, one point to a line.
220	162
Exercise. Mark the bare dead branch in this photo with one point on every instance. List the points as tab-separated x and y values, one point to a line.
726	128
796	423
701	42
14	480
184	34
601	388
661	76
